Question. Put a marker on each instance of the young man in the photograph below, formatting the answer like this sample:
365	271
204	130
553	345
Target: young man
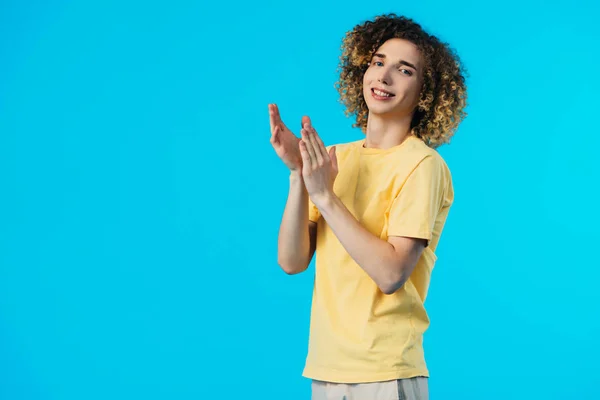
373	210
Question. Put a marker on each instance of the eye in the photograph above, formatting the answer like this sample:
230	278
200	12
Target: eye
378	63
406	72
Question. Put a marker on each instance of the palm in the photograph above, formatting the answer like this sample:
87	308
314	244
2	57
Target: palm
285	143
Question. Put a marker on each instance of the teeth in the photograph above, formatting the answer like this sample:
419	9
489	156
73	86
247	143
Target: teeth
380	93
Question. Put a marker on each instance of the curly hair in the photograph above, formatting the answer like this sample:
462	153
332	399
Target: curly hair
443	95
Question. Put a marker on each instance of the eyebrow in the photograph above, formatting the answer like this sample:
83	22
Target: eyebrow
401	62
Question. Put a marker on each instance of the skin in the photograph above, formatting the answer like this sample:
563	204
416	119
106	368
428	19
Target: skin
389	263
388	123
296	244
284	142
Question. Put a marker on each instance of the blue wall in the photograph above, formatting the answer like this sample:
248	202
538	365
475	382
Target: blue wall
140	198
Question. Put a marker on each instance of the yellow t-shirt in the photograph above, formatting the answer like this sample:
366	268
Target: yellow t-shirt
357	332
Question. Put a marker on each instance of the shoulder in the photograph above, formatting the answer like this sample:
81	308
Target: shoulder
428	157
430	168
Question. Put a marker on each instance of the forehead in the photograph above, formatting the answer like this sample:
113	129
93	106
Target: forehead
400	49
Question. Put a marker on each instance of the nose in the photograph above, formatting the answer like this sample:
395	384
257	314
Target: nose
384	77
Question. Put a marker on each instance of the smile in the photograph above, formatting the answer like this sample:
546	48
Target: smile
379	94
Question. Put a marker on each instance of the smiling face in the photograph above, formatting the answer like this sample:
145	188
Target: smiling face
392	83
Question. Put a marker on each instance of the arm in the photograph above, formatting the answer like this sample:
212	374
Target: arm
389	263
297	235
412	215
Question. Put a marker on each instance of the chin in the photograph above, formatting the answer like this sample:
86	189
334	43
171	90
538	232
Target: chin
379	109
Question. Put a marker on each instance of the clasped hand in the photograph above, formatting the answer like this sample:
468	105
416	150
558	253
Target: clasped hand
319	166
308	155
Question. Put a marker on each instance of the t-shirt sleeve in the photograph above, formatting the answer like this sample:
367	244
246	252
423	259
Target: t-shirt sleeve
416	207
313	211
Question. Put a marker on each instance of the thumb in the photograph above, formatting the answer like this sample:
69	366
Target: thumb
333	156
275	136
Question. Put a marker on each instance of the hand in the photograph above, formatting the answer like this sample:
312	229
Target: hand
320	168
284	141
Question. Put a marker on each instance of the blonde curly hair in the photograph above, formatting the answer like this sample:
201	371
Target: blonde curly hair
443	95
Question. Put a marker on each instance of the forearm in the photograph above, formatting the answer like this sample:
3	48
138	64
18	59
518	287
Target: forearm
375	256
293	253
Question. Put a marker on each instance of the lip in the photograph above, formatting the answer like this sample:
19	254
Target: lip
382	98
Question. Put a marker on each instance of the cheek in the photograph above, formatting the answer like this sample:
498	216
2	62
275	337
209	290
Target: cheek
366	82
367	77
415	91
364	87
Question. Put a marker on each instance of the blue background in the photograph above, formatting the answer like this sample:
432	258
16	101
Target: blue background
141	199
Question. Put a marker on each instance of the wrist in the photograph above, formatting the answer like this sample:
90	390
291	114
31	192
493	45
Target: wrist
323	200
296	175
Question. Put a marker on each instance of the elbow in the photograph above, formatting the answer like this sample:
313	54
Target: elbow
392	285
390	288
291	269
395	277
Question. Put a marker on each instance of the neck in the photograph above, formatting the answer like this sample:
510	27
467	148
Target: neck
383	133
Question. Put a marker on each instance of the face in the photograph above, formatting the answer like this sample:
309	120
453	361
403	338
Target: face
392	83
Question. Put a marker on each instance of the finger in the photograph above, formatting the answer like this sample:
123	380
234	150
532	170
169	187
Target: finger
321	145
309	148
277	115
305	121
275	136
277	119
319	159
306	163
320	150
272	117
